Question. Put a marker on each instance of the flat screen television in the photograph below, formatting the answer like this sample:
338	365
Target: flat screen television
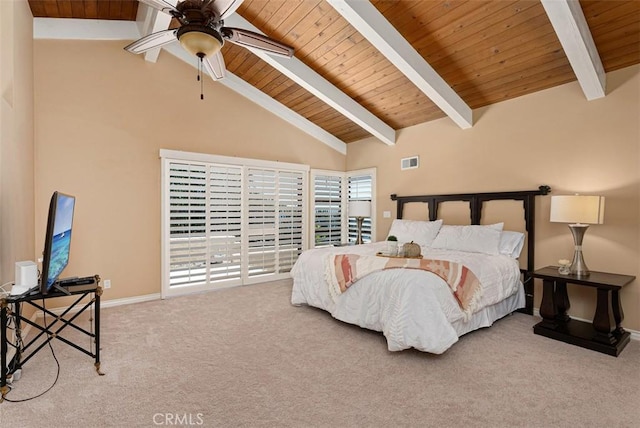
57	241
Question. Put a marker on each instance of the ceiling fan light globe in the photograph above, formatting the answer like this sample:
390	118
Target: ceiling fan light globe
200	43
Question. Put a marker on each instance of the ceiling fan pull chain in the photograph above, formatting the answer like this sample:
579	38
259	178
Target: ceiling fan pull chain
201	80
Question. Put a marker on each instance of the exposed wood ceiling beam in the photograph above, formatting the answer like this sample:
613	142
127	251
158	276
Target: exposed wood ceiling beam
304	76
572	29
365	18
150	21
93	29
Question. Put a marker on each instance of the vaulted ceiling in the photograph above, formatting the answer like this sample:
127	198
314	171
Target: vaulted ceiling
370	68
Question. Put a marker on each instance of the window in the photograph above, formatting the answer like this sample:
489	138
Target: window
225	222
327	209
275	226
229	221
332	192
291	188
187	199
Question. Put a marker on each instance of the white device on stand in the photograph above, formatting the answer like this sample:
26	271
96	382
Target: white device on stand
26	277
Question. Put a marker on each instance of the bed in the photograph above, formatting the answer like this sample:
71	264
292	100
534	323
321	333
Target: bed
418	306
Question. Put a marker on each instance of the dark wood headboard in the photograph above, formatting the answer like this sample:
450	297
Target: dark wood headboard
476	201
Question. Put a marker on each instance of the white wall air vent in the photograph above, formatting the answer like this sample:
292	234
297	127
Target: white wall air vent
410	163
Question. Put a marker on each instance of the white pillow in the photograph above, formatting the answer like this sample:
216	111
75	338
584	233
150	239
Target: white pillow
421	232
473	238
511	243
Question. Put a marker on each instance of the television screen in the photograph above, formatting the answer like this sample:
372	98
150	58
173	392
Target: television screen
57	240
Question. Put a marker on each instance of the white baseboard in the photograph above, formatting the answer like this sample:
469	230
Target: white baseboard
635	335
109	303
129	300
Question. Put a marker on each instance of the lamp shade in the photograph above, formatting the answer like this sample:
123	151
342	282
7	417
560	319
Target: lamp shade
577	209
359	208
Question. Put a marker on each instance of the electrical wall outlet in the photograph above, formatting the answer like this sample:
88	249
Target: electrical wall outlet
107	283
386	214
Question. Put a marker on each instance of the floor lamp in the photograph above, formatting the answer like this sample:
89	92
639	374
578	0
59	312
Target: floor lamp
359	210
579	211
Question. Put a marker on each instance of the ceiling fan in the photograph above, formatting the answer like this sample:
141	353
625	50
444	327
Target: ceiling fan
202	33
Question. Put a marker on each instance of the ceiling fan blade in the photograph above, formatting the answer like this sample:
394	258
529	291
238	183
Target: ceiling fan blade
224	8
151	41
215	66
250	39
162	6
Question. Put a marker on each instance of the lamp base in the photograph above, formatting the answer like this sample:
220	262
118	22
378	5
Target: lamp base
359	238
578	266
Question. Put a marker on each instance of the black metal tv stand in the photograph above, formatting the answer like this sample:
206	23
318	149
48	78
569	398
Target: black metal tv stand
88	287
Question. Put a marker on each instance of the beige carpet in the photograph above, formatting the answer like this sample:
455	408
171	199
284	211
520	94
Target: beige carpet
246	357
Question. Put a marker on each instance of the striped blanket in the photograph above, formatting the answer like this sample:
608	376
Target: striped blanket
345	269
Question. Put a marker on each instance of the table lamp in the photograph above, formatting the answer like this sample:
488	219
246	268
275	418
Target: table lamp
579	211
359	210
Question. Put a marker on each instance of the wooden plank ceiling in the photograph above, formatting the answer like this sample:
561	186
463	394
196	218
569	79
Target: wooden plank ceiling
487	51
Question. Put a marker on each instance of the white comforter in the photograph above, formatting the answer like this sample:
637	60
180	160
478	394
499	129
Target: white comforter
412	308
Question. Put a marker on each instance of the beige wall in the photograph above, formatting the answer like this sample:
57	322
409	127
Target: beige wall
102	115
16	137
554	137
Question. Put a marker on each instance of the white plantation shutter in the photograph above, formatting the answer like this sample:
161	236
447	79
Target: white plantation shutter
275	214
327	209
332	191
187	231
227	224
291	214
225	230
261	191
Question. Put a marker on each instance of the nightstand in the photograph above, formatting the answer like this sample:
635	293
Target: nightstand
605	334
